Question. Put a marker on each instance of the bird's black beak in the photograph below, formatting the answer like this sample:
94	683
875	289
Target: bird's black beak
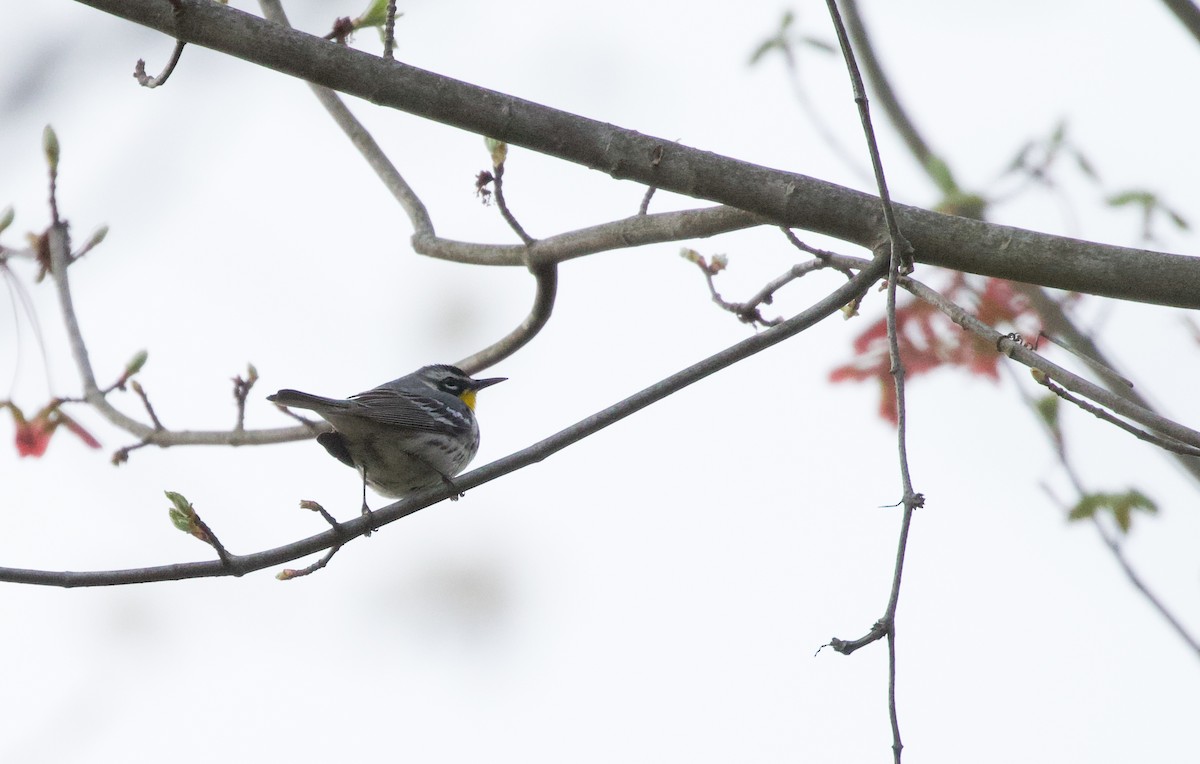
479	384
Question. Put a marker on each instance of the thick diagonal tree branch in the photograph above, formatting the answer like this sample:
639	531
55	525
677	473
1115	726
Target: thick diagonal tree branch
783	198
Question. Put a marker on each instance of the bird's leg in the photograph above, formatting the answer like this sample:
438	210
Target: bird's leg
366	511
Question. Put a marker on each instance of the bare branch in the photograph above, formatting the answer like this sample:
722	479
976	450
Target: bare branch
141	394
899	263
1057	323
1163	443
644	207
546	279
361	139
502	204
639	230
389	32
750	311
1136	580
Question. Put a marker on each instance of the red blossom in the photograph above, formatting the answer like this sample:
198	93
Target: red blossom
928	339
33	435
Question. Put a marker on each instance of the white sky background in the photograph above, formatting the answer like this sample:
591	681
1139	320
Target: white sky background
656	592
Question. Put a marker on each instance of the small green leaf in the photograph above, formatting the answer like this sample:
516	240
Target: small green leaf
1121	505
1084	509
6	218
375	15
180	520
1139	197
182	505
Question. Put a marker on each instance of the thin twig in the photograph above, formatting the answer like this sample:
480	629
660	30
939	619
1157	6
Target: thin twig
287	574
749	311
634	231
362	140
800	245
900	262
1163	443
644	207
146	81
141	394
546	284
1100	368
901	248
1114	546
1144	589
212	539
502	205
389	32
1056	322
883	90
241	390
242	564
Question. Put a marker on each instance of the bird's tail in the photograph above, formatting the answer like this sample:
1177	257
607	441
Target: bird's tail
299	400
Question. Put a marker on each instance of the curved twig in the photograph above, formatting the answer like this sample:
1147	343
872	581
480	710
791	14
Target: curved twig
361	139
636	231
146	81
546	279
238	565
502	205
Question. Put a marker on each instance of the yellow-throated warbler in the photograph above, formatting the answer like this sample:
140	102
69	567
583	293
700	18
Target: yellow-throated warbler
411	433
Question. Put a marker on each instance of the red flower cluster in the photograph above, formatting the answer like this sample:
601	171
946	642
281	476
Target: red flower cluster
928	339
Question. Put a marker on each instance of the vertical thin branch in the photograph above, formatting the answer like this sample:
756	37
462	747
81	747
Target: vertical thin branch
389	32
60	256
900	262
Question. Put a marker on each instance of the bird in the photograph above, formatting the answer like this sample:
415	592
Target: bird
414	432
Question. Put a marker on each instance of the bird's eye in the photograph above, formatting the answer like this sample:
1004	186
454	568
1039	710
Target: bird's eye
452	385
